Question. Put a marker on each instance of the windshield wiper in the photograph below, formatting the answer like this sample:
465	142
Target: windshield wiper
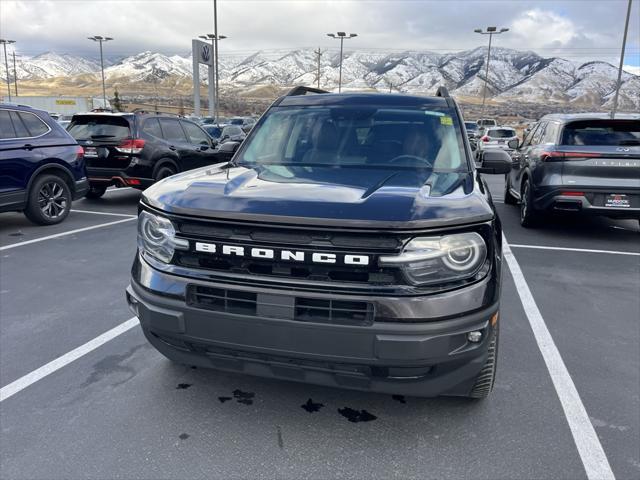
102	136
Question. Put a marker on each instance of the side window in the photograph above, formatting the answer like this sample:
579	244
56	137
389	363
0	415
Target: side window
195	134
551	133
6	125
527	139
172	131
33	123
537	137
152	127
18	126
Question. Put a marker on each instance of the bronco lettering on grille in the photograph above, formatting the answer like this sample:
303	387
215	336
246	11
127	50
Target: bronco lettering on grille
277	254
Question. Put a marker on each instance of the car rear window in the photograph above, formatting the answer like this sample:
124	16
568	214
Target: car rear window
384	137
471	126
501	133
602	132
99	128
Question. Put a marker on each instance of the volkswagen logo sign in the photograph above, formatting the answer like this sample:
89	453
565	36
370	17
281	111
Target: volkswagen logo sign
205	53
622	149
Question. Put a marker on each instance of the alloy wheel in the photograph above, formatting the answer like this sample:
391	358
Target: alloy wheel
51	200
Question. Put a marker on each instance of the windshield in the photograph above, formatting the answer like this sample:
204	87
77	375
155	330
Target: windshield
502	133
379	137
602	132
99	127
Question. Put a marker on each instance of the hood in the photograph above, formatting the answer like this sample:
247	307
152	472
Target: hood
324	195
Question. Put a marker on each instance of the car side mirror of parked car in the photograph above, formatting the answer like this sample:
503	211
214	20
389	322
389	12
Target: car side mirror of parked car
495	161
513	144
229	147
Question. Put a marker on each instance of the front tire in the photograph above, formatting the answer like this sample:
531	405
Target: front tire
487	376
528	216
509	199
95	191
48	201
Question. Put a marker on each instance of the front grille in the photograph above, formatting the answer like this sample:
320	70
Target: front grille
309	240
301	309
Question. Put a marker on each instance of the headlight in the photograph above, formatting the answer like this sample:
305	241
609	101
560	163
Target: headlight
429	260
157	237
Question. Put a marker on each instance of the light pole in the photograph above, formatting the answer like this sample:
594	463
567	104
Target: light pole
341	36
15	72
100	39
6	62
491	31
214	48
624	43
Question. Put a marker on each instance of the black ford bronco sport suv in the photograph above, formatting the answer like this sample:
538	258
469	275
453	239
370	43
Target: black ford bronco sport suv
350	242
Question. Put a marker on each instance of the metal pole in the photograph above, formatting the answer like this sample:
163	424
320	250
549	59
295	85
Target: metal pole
340	74
319	54
215	32
15	73
486	74
624	43
104	91
6	66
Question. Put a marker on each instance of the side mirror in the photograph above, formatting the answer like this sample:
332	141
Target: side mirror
229	147
495	161
513	144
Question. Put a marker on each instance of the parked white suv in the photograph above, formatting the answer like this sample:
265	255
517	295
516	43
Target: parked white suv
496	137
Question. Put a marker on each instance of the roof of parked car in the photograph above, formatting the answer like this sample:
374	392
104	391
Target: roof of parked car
361	99
25	108
570	117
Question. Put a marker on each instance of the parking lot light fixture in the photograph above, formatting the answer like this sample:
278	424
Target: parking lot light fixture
214	48
491	31
100	39
4	43
341	36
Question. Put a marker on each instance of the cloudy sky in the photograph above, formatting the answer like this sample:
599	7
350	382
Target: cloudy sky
573	29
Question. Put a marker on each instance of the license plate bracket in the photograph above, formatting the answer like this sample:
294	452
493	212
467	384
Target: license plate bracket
617	200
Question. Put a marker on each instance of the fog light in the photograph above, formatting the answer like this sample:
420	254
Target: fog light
474	337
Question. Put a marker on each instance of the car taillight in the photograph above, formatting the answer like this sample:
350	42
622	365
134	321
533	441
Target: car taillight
79	153
572	194
553	156
485	138
131	146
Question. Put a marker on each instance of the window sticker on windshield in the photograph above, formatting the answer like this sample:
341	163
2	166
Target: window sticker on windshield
435	114
446	120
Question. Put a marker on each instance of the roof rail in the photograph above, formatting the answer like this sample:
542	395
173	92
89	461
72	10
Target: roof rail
442	92
295	91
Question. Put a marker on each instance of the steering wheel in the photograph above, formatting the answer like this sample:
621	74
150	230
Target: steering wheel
411	157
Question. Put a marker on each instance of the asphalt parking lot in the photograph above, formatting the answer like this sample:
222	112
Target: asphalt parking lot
115	408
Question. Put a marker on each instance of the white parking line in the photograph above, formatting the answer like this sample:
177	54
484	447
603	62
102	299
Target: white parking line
104	213
63	234
585	437
568	249
55	365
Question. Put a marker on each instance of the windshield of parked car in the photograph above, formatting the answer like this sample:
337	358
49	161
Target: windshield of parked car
602	132
371	137
501	133
99	127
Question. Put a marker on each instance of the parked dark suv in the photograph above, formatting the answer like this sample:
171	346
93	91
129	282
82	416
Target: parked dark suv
138	149
41	166
587	163
350	242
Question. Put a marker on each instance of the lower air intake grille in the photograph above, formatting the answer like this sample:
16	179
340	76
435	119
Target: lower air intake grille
301	309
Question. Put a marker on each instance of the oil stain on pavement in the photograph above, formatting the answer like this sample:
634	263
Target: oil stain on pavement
356	416
312	407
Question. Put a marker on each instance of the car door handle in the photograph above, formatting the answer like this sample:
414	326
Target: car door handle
171	147
28	146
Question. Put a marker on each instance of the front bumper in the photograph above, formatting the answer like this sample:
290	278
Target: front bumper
422	358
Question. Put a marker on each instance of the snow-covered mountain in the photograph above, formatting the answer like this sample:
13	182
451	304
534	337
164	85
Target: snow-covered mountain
513	75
